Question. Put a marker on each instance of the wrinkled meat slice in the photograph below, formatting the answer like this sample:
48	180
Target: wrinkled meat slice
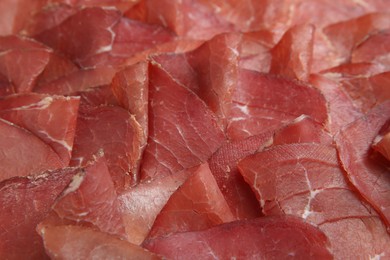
223	164
91	197
262	238
305	180
50	118
75	242
198	204
141	204
183	132
96	96
292	56
366	170
24	203
28	157
264	102
382	144
114	131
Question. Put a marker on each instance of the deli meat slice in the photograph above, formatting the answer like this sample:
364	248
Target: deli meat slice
366	170
75	242
198	204
382	144
50	118
183	132
262	238
25	202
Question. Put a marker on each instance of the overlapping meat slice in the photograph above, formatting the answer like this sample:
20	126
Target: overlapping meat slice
141	204
25	202
262	238
366	170
51	118
115	131
264	102
382	144
306	180
91	198
183	132
198	204
75	242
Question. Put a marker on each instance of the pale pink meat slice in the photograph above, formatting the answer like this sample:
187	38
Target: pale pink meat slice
261	238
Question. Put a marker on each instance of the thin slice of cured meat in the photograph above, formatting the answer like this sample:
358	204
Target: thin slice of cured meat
223	164
198	204
75	242
261	238
263	102
91	197
141	204
382	145
30	156
183	132
366	171
306	180
76	36
51	118
24	203
96	96
292	56
115	131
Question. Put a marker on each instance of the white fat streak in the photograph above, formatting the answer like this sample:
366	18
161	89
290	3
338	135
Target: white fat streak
108	47
299	118
42	104
377	139
61	142
377	257
75	184
313	193
235	51
243	108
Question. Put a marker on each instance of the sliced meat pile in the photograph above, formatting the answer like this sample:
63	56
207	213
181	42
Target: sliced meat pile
181	129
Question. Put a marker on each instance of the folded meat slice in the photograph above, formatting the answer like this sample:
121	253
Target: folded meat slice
75	242
196	205
263	102
183	132
261	238
306	180
22	153
367	171
114	131
91	198
25	202
50	118
382	144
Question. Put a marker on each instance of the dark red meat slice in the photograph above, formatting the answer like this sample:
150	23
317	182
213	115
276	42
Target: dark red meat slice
198	204
91	197
114	131
182	131
29	157
25	202
75	242
96	96
141	204
366	171
50	118
262	238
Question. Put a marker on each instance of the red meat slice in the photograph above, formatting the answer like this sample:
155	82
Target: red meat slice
198	204
115	131
382	145
264	102
182	131
262	238
50	118
141	204
292	56
91	198
223	164
24	202
96	96
28	157
75	242
366	171
305	180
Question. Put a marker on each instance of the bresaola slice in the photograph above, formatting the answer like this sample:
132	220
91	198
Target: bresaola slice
262	238
382	144
365	170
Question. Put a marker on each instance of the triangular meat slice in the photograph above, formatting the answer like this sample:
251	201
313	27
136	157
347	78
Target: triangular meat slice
366	170
262	238
75	242
198	204
183	132
24	203
51	118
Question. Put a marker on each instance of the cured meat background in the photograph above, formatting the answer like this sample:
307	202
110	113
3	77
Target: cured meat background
145	129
